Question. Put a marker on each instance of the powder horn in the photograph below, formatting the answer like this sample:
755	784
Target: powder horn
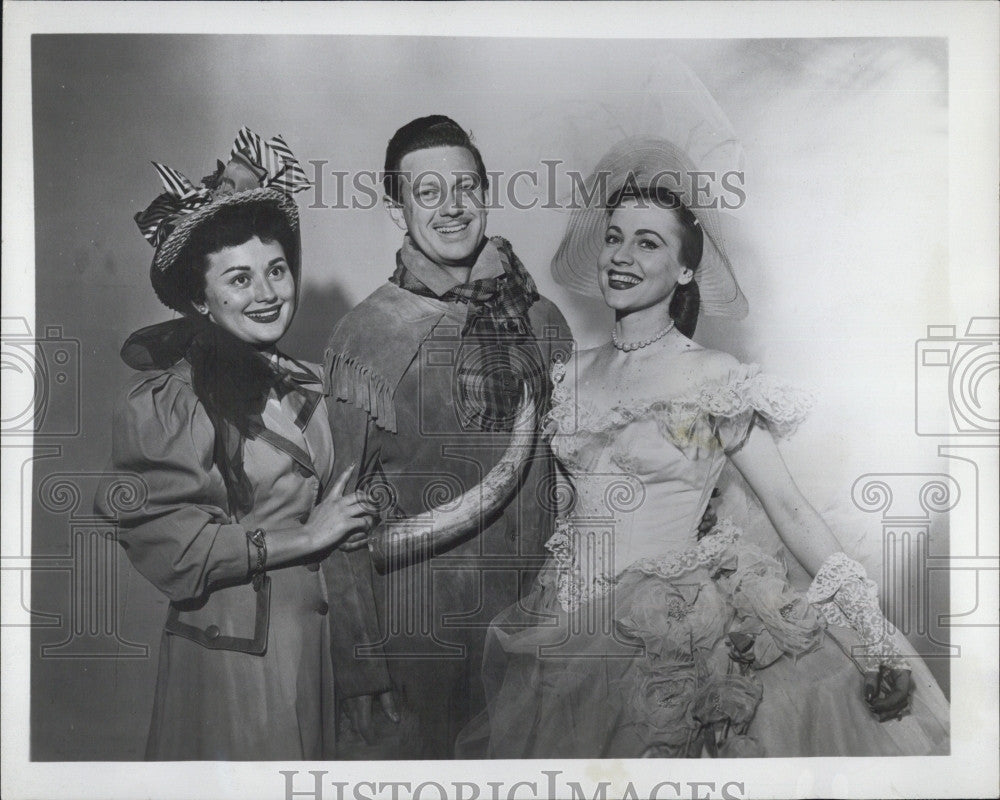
401	542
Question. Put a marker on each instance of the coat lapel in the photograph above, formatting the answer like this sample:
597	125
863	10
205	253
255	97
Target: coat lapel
283	424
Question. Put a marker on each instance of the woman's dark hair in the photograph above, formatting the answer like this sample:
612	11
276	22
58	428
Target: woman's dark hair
685	303
230	226
436	130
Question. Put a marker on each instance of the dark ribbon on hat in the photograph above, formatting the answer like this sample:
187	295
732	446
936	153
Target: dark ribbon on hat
489	378
232	379
273	160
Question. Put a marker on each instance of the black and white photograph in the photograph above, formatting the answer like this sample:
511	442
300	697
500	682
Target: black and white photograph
501	400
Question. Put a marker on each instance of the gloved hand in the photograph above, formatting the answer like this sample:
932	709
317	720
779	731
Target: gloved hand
843	594
887	692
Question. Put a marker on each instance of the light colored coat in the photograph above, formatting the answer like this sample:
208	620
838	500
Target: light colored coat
242	674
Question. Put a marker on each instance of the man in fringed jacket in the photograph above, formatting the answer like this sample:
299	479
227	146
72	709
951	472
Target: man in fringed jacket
426	379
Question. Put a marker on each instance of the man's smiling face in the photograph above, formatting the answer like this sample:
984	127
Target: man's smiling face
443	208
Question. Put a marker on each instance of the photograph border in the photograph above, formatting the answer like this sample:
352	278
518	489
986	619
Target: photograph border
971	28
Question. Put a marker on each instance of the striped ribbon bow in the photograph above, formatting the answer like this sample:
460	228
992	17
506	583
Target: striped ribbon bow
278	169
274	158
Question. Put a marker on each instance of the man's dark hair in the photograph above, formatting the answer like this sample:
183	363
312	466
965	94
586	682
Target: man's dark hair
436	130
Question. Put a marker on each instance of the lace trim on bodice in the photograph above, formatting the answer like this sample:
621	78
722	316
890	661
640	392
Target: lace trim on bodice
716	415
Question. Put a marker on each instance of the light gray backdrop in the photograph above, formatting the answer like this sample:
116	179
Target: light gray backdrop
842	252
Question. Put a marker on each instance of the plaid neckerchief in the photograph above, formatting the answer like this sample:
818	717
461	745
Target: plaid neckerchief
492	365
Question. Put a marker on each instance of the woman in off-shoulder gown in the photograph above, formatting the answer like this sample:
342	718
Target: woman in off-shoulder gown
641	637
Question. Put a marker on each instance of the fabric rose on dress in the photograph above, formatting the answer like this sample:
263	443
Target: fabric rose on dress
660	704
724	706
760	591
673	620
688	428
731	699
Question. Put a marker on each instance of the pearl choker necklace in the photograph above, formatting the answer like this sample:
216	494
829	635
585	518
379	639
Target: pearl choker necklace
628	347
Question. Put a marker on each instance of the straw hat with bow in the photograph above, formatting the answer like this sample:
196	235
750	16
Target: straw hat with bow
258	173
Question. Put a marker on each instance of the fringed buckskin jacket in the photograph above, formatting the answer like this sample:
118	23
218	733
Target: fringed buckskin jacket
393	368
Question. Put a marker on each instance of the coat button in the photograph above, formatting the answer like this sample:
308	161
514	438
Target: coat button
313	566
212	632
322	607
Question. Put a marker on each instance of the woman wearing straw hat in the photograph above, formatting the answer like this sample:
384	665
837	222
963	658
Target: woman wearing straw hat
640	637
220	426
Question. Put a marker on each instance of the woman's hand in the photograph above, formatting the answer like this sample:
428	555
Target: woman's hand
887	692
710	518
338	516
356	541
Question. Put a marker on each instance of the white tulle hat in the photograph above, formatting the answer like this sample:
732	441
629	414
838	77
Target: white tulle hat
644	162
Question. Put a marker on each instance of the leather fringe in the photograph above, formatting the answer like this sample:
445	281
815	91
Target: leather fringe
360	385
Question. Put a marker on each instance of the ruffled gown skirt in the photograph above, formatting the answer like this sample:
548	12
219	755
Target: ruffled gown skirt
648	669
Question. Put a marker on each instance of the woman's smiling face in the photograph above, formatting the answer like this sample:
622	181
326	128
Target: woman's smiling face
639	264
250	291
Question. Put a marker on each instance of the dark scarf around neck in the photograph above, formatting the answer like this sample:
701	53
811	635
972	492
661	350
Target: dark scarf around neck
230	377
